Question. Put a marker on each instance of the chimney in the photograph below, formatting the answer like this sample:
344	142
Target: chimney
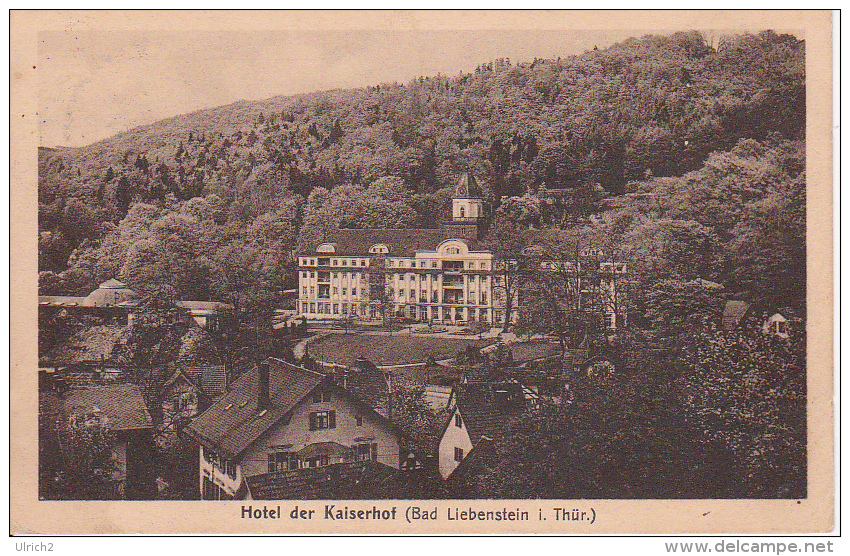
263	387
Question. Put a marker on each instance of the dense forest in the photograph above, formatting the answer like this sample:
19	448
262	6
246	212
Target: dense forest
683	158
658	135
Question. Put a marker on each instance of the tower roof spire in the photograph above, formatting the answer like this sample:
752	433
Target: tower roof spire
467	186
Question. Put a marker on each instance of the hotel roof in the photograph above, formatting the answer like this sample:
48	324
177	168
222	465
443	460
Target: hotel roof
399	242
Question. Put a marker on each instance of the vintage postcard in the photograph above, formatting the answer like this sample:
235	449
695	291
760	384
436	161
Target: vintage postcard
422	272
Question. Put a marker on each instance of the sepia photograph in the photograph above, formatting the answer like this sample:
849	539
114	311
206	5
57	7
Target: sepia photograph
450	266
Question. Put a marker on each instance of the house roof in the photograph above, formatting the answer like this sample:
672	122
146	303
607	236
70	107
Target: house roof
733	312
399	242
210	380
367	480
481	411
464	480
123	405
233	423
87	346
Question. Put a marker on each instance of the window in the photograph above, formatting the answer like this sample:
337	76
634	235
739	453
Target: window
462	212
318	461
358	419
344	262
433	264
183	401
320	396
413	264
458	420
344	291
362	262
322	420
780	327
312	262
366	452
336	290
336	275
412	295
312	290
353	292
458	454
452	250
336	308
282	460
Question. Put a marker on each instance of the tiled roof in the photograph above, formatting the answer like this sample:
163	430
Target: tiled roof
87	346
121	403
209	378
483	413
463	482
368	480
400	242
232	423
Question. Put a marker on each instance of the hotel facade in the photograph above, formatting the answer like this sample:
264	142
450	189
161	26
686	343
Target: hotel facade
432	275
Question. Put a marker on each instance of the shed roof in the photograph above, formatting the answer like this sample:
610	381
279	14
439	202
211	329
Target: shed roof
733	312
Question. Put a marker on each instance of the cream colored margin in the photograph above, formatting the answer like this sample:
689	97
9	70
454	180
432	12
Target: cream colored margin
28	515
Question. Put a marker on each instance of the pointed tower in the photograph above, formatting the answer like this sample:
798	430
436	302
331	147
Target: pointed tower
467	207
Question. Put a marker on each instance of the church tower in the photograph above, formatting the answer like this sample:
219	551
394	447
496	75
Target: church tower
467	208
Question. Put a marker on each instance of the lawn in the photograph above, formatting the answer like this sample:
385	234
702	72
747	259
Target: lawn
529	351
387	350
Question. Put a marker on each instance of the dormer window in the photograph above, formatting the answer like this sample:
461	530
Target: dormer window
379	248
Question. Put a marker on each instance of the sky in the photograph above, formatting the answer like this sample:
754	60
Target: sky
94	84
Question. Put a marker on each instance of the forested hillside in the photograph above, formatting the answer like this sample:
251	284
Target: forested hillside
657	137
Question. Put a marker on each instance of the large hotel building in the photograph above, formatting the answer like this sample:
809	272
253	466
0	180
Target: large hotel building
437	275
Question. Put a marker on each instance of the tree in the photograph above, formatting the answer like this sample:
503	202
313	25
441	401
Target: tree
512	263
580	287
154	344
745	390
416	418
75	458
